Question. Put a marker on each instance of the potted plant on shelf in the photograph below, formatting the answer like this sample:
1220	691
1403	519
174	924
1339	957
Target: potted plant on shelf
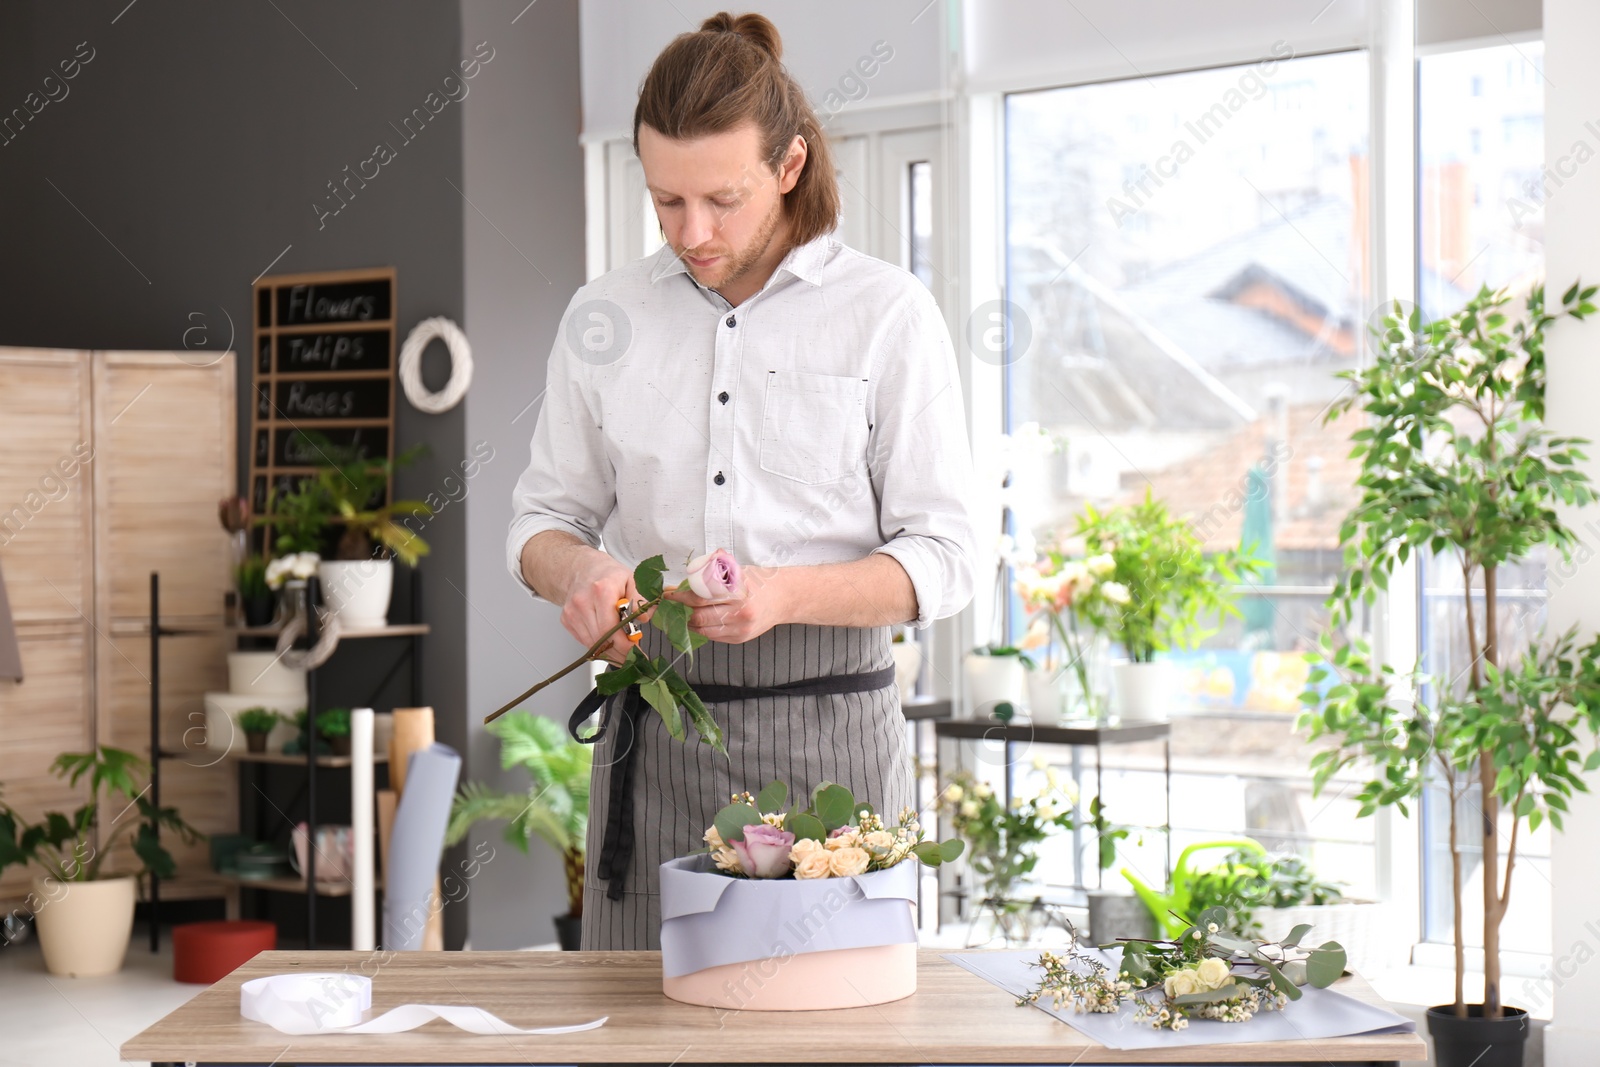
83	910
1455	459
358	582
995	681
1002	844
257	724
334	724
1172	585
255	595
554	808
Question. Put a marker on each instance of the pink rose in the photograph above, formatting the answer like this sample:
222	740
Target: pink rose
764	852
714	576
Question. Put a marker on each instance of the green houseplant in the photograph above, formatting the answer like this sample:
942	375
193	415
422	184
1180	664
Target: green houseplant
1167	588
84	911
555	807
256	724
1455	461
334	724
994	678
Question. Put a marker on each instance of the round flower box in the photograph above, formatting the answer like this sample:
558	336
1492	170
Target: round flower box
787	944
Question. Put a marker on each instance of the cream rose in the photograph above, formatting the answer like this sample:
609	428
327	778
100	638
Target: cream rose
1182	982
714	840
848	839
879	839
1214	973
848	861
814	864
805	847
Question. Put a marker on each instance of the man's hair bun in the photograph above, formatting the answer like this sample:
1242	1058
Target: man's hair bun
757	29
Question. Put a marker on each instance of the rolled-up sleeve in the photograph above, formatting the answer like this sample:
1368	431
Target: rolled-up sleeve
921	462
569	483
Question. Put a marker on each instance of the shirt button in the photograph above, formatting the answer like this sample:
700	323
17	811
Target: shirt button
719	479
733	320
722	398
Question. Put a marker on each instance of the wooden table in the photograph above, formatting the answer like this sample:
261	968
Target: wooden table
955	1017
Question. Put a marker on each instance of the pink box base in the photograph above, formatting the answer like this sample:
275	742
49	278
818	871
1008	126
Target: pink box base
806	981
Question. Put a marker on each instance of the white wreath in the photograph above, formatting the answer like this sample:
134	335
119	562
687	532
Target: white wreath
460	365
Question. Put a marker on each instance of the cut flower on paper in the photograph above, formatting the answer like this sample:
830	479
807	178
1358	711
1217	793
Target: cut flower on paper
832	836
1208	972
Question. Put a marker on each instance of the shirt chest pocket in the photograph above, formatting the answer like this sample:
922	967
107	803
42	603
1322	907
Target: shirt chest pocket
813	426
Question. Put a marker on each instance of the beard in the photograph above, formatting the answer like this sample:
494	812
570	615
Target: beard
736	264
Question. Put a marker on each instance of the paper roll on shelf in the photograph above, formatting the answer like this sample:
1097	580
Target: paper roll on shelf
363	926
410	901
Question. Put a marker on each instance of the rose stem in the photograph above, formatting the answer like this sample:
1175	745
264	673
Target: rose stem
589	654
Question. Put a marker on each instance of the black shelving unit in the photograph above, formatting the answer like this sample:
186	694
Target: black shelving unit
412	657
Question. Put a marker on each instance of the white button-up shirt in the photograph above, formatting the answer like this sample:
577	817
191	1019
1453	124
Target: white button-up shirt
819	421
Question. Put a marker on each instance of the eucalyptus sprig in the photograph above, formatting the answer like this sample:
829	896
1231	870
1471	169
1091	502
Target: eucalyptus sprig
1207	972
662	687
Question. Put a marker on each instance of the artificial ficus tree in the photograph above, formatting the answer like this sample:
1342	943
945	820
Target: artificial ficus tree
1456	461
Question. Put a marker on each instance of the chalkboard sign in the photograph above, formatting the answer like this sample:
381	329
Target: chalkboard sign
324	362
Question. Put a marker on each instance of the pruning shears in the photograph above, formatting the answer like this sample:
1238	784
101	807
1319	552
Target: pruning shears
630	629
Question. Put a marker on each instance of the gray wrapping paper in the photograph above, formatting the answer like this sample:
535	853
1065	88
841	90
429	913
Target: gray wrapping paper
415	844
1320	1013
709	919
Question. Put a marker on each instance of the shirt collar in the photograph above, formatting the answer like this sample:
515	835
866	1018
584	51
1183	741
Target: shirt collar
803	261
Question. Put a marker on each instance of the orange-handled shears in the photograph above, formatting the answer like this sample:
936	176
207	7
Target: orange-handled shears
629	629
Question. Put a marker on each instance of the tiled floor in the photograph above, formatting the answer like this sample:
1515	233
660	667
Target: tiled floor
81	1022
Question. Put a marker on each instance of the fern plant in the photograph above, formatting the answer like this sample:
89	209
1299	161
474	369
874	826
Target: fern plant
555	808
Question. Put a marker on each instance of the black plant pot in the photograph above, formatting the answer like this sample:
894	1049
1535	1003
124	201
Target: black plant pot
1476	1041
569	932
258	610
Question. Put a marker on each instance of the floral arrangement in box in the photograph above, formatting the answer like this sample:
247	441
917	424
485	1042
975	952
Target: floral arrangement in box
816	897
833	837
1207	972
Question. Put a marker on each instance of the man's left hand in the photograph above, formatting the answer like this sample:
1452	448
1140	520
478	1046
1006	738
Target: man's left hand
757	608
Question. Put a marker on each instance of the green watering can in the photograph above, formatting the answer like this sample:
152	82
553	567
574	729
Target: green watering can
1164	905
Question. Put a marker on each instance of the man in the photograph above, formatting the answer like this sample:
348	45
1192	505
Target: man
755	386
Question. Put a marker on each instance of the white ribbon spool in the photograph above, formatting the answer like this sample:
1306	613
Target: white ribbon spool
336	1003
411	365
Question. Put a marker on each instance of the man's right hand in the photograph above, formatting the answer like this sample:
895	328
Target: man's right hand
591	605
587	584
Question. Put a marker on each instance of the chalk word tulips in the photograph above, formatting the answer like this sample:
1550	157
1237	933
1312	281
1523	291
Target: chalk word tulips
832	837
714	576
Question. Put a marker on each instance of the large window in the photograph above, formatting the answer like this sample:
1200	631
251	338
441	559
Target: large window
1480	126
1188	253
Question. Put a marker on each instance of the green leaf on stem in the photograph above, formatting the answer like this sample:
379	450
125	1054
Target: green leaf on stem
732	820
659	695
802	826
773	797
1325	965
647	577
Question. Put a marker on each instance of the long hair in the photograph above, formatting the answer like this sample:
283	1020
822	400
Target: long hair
728	73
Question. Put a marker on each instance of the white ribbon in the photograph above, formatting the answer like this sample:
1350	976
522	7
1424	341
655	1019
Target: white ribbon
336	1003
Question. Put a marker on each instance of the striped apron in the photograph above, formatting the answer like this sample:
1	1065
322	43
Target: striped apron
675	789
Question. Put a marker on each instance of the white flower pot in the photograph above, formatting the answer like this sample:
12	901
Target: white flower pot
84	926
264	674
357	591
1143	692
1046	695
907	665
991	680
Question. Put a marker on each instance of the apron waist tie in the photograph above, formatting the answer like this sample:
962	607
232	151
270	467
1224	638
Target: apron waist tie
617	845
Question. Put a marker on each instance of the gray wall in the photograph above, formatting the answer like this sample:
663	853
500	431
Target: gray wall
192	148
523	170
